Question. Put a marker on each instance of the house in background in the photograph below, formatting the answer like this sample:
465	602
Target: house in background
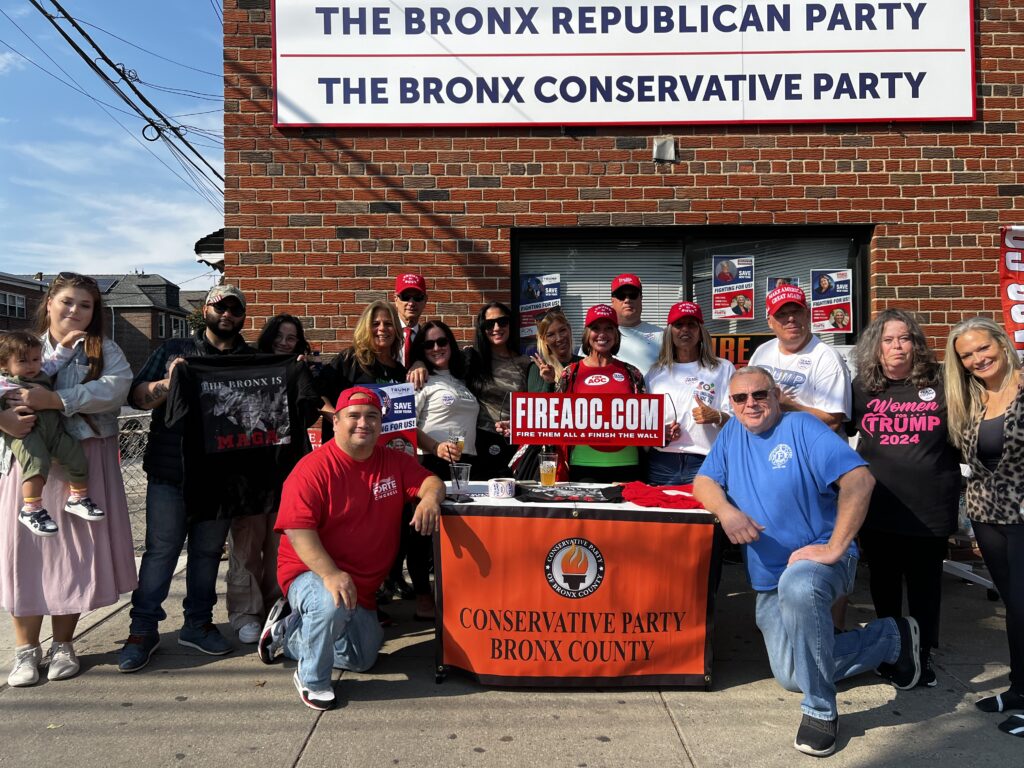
20	296
142	311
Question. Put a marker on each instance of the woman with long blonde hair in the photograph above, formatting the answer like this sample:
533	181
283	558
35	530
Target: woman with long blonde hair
986	422
554	351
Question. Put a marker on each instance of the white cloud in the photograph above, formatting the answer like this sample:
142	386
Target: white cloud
76	157
10	61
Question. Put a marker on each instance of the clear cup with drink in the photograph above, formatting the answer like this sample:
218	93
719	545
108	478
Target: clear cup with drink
548	468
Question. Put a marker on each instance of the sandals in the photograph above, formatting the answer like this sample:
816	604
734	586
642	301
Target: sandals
1001	702
1013	725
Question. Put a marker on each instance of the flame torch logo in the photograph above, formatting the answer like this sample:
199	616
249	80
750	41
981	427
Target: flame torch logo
574	568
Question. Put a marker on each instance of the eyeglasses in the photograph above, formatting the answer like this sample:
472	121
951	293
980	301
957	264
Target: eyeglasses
759	395
233	309
441	343
627	293
416	297
500	322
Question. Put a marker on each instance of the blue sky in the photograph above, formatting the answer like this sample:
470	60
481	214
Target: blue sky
77	191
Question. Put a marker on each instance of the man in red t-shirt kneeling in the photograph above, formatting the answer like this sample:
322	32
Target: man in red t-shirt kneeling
341	513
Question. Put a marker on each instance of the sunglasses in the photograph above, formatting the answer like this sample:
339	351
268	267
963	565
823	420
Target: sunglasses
630	293
759	395
441	343
233	309
416	297
500	322
74	277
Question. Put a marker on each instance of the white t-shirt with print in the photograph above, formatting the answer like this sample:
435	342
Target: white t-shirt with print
816	376
681	383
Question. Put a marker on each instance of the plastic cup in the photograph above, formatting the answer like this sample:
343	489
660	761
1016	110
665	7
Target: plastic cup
460	475
548	468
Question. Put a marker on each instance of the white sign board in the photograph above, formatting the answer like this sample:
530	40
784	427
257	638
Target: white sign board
558	62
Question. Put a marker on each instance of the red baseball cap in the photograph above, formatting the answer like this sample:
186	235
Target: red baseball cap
785	294
683	309
626	279
407	281
357	396
601	312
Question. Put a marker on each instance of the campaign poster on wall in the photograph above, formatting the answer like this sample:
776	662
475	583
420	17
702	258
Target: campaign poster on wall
732	288
537	294
398	416
831	301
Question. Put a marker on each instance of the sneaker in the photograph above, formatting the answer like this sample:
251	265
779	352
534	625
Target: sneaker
271	641
817	737
206	638
39	522
62	661
85	508
26	666
906	670
318	699
250	633
136	651
927	679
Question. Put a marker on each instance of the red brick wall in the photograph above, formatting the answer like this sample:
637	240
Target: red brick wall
320	221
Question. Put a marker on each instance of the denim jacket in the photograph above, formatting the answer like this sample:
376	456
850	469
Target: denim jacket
101	398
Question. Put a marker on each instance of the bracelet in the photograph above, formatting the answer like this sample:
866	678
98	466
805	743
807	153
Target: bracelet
719	422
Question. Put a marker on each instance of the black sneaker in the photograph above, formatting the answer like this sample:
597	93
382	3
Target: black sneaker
906	670
928	679
817	737
271	642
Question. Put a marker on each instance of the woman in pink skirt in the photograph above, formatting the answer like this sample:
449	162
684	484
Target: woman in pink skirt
89	564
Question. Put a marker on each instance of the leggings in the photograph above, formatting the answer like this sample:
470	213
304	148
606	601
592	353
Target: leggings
1002	546
917	560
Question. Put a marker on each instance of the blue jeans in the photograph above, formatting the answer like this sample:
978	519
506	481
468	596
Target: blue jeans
166	531
321	636
668	468
805	653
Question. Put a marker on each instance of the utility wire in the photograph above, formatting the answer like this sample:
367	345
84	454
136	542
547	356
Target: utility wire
78	87
73	87
130	85
218	75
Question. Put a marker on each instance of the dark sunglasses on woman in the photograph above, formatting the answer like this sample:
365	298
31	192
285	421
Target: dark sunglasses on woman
441	343
501	322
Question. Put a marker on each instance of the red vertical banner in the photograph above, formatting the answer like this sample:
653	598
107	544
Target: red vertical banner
1011	283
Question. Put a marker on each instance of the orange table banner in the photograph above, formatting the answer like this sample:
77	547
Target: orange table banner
540	418
533	595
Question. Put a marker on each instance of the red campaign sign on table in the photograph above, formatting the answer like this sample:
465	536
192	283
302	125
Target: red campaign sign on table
1011	283
598	420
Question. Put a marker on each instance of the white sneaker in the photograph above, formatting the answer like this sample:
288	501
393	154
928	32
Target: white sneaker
26	666
320	699
62	661
85	508
250	633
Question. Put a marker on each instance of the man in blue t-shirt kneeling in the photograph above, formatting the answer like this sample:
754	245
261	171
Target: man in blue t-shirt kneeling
795	494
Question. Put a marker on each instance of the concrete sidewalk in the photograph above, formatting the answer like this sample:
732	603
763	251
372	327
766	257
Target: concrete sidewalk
187	709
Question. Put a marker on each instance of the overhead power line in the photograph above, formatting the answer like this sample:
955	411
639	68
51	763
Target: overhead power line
160	124
217	205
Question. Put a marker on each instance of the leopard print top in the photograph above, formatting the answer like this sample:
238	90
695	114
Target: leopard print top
995	497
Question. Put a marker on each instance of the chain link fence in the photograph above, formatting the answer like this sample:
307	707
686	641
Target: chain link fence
133	432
